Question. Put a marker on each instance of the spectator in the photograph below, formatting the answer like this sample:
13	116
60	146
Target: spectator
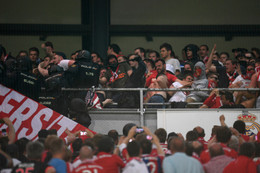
179	97
162	134
114	135
200	81
191	53
140	52
34	152
223	56
227	73
153	55
223	135
114	49
201	134
95	56
121	59
203	53
169	57
218	159
244	162
110	162
34	57
179	161
135	163
116	76
58	151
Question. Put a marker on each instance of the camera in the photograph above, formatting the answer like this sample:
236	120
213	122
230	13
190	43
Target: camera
139	130
83	133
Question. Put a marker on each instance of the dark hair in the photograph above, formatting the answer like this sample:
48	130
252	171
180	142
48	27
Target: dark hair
105	144
150	61
224	53
223	134
161	134
204	45
168	47
133	148
34	49
142	50
48	43
156	53
127	127
23	51
113	134
52	132
76	145
115	48
191	136
228	95
187	74
240	126
146	146
233	61
247	149
110	57
93	52
162	60
43	133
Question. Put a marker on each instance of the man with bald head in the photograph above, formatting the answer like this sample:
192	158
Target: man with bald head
86	159
179	161
201	134
218	159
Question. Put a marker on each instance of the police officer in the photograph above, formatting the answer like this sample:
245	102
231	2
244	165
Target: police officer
83	73
27	83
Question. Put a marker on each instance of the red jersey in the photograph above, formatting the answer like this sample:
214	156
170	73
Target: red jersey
171	78
241	164
205	156
213	101
203	142
88	166
153	163
110	162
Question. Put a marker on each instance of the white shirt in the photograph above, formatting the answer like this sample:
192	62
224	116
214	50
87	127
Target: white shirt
179	96
245	82
135	166
175	63
64	64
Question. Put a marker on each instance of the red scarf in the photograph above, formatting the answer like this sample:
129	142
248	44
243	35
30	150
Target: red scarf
114	75
232	77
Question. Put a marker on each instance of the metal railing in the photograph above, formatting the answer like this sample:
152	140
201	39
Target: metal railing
141	110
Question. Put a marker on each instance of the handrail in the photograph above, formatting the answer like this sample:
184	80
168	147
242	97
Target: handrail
141	90
161	89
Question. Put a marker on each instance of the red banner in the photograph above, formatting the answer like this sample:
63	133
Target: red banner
29	117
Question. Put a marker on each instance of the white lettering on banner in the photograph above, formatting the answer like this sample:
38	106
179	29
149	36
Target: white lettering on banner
3	90
65	123
20	115
6	107
36	123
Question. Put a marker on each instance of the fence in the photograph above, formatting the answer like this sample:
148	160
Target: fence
141	109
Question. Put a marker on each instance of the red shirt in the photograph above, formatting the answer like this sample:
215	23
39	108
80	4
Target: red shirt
213	101
110	162
203	142
171	78
89	166
149	78
205	156
240	165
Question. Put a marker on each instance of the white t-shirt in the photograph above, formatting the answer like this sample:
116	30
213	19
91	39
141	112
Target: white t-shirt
179	96
175	63
245	82
135	166
64	64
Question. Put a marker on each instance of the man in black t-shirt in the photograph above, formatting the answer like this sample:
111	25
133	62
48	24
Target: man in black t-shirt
34	152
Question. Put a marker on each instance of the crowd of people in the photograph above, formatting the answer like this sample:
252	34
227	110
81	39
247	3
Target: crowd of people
197	68
138	150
